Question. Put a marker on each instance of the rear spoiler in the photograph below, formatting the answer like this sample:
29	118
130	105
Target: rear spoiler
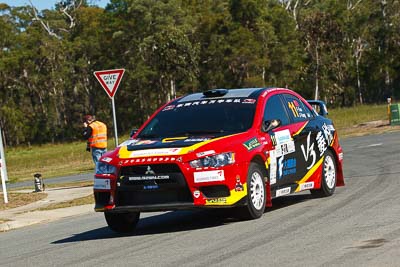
319	106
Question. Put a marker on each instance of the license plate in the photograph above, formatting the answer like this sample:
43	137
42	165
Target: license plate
101	184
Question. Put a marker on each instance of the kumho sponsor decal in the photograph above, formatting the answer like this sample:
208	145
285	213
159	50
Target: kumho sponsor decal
251	144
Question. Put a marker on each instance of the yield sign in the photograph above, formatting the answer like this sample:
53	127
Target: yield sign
109	80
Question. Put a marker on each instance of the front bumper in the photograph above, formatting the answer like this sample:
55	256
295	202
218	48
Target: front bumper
132	191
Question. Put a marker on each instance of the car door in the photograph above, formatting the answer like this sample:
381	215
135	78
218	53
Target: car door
304	131
282	143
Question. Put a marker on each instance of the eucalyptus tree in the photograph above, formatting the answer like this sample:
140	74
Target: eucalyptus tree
151	40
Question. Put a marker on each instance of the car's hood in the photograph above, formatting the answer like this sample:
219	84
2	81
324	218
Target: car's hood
136	148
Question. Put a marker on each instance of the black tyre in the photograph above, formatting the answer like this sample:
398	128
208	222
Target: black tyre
122	222
256	194
328	178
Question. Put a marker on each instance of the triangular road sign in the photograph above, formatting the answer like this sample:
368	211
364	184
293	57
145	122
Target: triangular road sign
109	80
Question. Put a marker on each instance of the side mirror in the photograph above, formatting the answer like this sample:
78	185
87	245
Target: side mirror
133	132
319	106
270	125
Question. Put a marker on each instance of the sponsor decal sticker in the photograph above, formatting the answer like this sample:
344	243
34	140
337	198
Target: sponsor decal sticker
148	177
285	148
273	139
170	107
282	137
106	159
239	186
327	133
196	139
101	184
209	176
129	142
272	167
306	186
296	109
251	144
173	139
205	153
293	107
196	194
286	167
145	142
216	200
283	191
154	152
321	143
151	187
309	152
249	101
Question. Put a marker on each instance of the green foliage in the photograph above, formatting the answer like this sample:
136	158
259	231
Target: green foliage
348	50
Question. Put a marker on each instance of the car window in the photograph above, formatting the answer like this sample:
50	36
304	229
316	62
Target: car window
297	109
274	109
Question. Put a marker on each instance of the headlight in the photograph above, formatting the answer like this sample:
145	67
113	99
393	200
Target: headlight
104	168
214	161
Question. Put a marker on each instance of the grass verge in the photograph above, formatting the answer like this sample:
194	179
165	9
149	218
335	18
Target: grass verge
4	220
352	121
20	199
351	116
75	202
51	160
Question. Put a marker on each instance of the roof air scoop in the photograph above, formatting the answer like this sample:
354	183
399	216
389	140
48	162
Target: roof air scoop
215	92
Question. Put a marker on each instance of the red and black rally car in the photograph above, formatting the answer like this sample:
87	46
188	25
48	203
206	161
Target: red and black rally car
220	148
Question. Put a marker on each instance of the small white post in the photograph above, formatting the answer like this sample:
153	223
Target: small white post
3	169
115	122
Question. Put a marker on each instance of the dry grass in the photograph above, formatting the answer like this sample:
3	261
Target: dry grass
362	120
351	116
365	129
3	220
75	202
20	199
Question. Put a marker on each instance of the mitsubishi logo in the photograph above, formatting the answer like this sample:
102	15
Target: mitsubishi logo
149	171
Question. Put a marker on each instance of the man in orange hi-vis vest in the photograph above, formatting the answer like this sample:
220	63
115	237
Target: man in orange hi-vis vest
96	133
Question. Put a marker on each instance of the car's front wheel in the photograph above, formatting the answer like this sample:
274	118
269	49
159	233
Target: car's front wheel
122	222
328	177
256	193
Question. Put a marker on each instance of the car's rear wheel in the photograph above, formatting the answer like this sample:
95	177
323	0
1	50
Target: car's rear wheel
328	178
122	222
256	194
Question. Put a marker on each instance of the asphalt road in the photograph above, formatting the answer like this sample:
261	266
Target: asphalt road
358	226
56	180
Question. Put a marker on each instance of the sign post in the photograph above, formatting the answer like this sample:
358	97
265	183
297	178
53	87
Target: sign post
3	169
109	80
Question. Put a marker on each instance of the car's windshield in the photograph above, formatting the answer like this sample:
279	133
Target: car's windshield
205	117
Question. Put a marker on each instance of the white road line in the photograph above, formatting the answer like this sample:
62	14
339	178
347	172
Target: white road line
373	145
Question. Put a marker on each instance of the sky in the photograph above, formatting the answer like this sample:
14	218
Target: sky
47	4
